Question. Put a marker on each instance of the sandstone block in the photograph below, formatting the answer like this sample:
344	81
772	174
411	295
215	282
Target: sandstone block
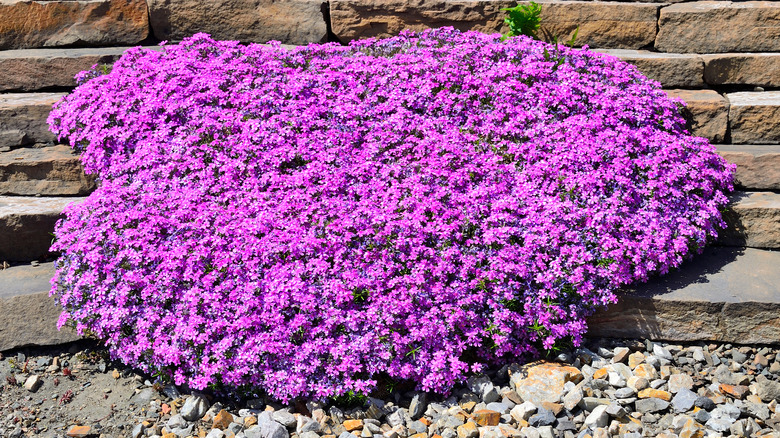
670	69
26	224
30	24
758	166
719	27
706	112
28	316
754	117
288	21
35	69
540	382
759	69
753	220
47	171
602	24
725	294
23	118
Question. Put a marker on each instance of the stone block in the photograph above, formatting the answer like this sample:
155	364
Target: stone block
758	166
754	117
753	220
706	112
36	69
23	118
26	224
757	69
724	294
28	315
288	21
719	27
30	24
46	171
601	24
670	69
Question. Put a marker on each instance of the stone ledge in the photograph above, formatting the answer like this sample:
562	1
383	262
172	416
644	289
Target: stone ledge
754	117
28	315
30	24
758	166
35	69
23	118
706	111
601	24
719	26
670	69
753	220
724	294
47	171
757	69
26	224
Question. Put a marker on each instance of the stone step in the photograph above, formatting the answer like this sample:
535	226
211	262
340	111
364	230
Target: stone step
690	70
724	294
36	69
601	24
26	224
707	111
758	166
54	23
23	118
754	117
47	171
28	315
753	220
719	27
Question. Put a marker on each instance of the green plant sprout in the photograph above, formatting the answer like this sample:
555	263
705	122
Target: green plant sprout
524	19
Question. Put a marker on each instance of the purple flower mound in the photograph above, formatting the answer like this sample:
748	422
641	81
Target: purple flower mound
304	221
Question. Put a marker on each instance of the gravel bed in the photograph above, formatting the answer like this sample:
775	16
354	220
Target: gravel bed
624	388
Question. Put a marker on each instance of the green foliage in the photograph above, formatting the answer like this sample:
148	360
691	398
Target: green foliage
524	19
350	399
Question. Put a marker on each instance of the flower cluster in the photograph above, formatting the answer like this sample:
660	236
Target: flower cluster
302	221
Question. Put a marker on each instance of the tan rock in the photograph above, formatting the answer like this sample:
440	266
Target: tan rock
600	373
678	382
351	425
754	117
647	371
46	171
222	420
23	118
634	359
34	69
758	166
602	24
487	417
79	431
654	393
288	21
735	391
670	69
468	430
754	220
741	27
31	24
539	382
758	69
706	111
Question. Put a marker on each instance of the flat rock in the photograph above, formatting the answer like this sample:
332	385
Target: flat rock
540	382
752	26
706	111
36	69
601	24
33	24
758	166
28	315
287	21
725	294
757	69
26	224
754	117
670	69
23	118
47	171
753	220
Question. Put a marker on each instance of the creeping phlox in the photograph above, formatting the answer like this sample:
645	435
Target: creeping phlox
303	221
